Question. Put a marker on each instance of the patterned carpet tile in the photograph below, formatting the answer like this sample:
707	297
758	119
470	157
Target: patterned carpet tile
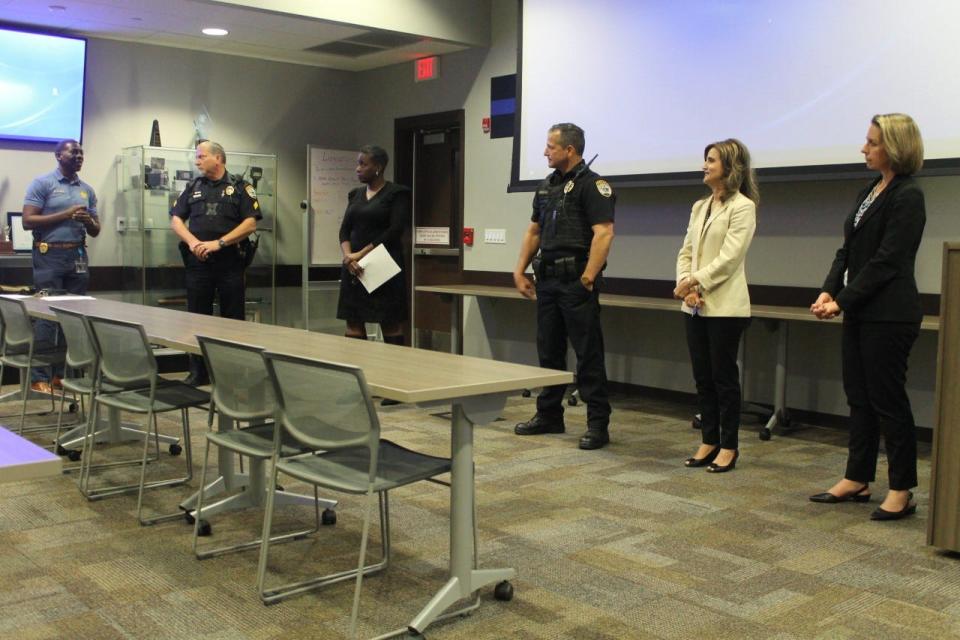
620	543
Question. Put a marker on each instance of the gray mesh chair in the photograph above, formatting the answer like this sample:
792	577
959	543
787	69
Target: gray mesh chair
82	367
20	352
241	391
126	359
327	408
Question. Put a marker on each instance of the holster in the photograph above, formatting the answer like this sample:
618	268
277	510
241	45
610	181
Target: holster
563	269
184	252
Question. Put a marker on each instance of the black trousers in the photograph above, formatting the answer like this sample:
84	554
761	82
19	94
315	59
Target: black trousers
713	345
220	277
567	311
874	377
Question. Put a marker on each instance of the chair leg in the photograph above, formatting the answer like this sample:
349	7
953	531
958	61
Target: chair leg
276	594
363	558
83	482
152	419
265	536
257	466
24	391
56	437
199	508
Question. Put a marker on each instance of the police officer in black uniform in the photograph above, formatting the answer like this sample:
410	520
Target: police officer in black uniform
212	217
572	228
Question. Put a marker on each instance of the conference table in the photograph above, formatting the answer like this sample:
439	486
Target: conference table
475	389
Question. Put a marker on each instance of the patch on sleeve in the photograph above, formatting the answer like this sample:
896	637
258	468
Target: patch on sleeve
256	205
604	188
251	192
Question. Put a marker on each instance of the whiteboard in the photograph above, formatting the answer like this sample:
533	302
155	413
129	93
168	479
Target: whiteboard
332	175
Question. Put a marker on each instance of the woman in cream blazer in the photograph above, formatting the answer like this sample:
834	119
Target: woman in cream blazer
713	286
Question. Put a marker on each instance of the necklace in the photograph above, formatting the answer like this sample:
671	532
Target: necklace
373	192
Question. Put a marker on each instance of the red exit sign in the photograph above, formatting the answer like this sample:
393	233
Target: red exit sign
426	68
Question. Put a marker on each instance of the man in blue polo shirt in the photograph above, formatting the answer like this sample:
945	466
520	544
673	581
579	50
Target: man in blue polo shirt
61	210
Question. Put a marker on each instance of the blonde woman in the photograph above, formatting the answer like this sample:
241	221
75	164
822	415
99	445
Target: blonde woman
872	283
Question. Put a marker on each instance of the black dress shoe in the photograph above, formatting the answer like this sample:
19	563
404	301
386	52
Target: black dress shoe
702	462
538	425
908	510
713	467
594	439
856	496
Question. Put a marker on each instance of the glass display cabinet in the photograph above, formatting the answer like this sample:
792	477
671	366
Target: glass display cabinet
149	181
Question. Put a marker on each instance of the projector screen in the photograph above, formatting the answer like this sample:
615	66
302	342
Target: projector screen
41	86
653	81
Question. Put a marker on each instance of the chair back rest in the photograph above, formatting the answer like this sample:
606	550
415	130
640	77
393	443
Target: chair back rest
17	328
81	352
241	387
125	353
323	405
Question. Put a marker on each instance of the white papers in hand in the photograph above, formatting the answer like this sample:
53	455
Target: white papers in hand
378	267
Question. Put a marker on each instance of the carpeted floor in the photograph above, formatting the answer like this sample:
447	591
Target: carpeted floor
624	542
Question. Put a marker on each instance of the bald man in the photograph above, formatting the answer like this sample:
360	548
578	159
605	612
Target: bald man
61	210
213	215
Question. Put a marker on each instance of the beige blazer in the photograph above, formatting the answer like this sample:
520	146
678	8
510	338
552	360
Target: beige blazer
715	252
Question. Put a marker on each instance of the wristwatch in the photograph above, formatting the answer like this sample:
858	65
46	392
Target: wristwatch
221	243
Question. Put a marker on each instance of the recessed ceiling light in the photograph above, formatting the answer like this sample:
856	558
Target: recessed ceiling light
215	31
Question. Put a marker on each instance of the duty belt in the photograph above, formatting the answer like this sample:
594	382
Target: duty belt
567	268
43	247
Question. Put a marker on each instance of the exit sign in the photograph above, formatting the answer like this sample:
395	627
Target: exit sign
426	68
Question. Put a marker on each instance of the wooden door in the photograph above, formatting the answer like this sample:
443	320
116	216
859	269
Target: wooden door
429	152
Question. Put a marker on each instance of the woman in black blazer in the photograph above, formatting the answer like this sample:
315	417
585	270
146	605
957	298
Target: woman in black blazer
872	283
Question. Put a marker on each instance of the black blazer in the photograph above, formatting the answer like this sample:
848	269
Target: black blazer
879	255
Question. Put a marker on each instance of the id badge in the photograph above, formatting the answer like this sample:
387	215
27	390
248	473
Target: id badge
80	264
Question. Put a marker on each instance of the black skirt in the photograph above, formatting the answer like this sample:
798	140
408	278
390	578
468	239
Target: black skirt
387	304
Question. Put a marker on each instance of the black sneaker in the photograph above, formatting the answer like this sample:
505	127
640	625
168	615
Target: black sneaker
594	439
537	425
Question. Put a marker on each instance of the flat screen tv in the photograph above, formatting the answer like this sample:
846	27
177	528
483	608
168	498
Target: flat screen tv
41	86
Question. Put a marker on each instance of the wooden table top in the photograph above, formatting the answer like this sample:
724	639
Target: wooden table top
801	314
20	459
399	373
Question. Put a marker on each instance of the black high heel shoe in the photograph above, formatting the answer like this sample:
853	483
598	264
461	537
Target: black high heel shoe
713	467
908	510
856	496
702	462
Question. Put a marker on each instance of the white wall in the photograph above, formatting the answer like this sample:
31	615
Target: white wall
256	106
278	108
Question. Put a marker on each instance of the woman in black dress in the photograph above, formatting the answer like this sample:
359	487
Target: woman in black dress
376	214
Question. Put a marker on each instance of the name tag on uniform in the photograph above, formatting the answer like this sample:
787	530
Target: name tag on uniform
197	194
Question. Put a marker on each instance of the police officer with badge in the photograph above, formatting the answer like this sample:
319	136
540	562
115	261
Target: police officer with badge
568	241
212	217
61	210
